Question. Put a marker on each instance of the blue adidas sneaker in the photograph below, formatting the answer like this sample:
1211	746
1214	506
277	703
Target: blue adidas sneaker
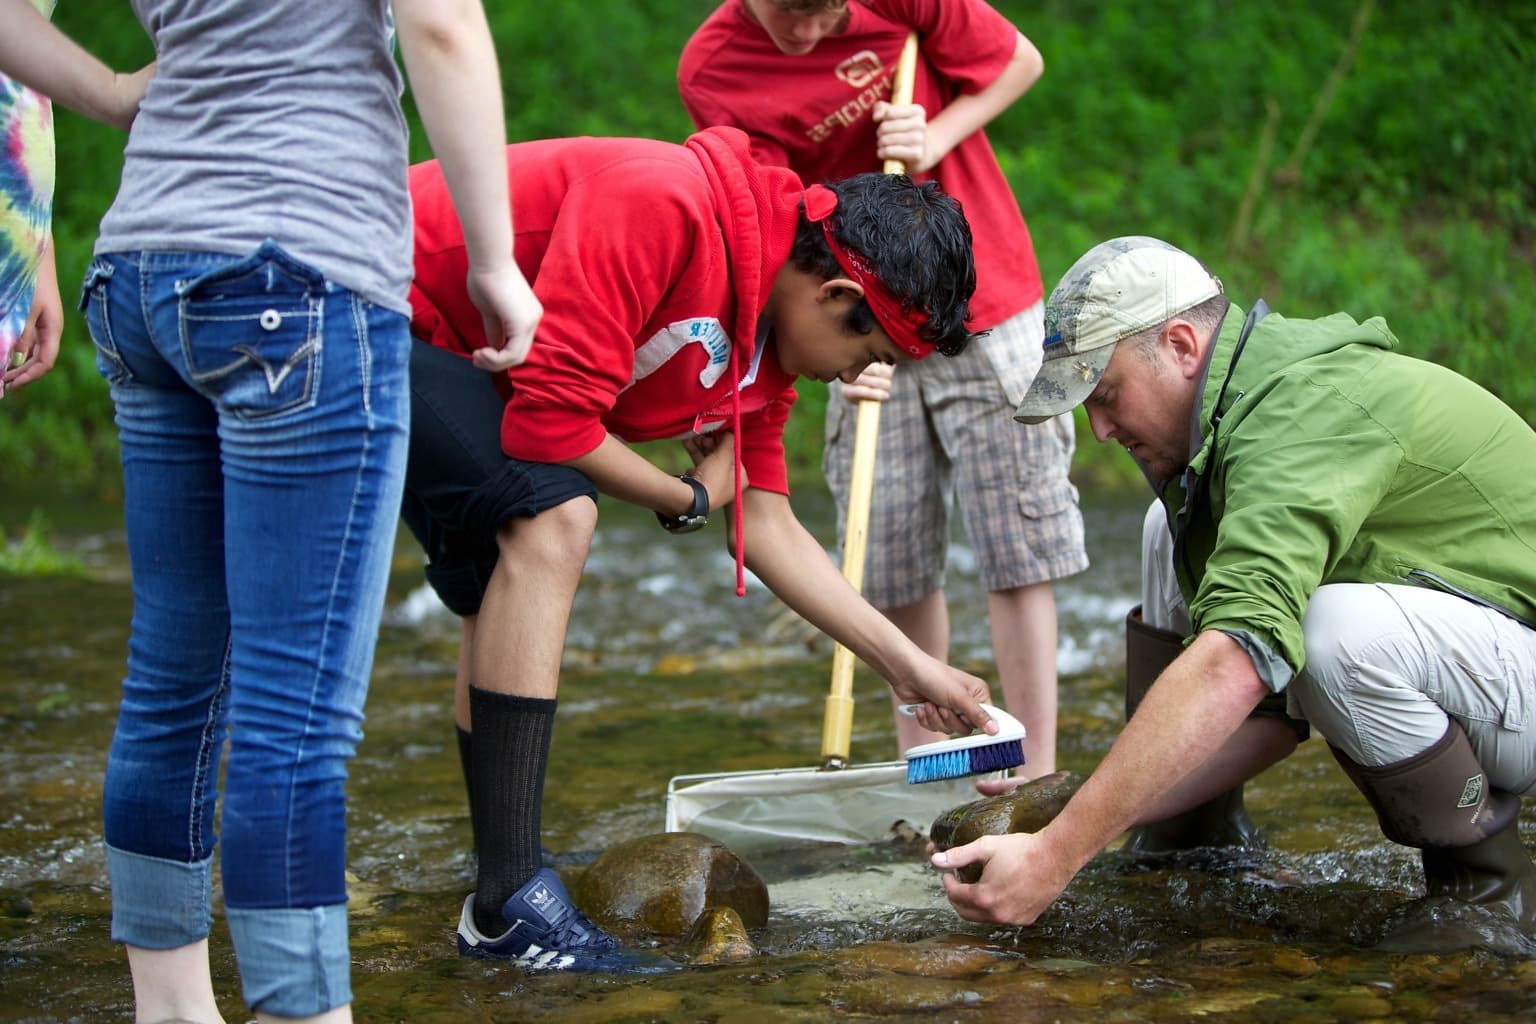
548	933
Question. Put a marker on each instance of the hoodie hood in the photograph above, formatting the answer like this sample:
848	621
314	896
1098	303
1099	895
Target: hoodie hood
759	209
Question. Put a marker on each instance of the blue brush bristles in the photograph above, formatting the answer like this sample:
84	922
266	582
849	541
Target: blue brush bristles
957	764
969	755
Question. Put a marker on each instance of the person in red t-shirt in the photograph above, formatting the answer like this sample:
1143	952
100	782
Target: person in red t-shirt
684	288
808	80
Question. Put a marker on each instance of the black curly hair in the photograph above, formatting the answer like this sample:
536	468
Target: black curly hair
918	241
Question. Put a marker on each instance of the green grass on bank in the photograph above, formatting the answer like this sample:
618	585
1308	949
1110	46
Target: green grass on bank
32	553
1332	155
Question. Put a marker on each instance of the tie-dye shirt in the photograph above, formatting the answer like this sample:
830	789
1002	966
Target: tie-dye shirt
26	199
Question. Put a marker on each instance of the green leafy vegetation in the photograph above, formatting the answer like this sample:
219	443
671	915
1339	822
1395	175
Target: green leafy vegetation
1378	159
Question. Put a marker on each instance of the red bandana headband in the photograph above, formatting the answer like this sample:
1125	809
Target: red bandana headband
902	324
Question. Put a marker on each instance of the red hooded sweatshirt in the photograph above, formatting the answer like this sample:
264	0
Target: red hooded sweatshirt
653	262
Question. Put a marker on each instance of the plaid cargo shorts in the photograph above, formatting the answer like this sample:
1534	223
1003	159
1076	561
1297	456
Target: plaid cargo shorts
947	434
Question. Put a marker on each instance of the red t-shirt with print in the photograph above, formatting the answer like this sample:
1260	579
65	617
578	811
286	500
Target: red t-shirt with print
812	113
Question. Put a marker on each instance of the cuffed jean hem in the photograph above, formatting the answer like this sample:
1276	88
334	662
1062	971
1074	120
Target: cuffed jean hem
159	903
293	962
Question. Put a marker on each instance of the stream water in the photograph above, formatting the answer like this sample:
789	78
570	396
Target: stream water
666	674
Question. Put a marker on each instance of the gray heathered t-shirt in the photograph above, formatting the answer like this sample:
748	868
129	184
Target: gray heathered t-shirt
271	119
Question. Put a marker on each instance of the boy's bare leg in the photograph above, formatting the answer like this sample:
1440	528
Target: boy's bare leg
1024	648
520	635
506	686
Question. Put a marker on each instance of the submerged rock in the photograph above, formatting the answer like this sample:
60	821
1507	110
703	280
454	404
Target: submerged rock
719	936
1027	808
948	958
663	884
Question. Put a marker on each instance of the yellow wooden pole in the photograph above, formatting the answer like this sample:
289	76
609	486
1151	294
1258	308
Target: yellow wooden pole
837	723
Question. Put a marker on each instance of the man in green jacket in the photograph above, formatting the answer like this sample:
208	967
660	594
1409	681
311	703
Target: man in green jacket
1338	525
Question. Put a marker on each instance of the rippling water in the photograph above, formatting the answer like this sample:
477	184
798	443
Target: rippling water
667	673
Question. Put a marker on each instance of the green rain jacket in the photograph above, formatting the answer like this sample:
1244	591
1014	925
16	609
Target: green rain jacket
1321	456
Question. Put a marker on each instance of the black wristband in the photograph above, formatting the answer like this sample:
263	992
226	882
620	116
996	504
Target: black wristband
696	517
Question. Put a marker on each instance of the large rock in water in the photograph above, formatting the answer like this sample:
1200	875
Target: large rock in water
661	884
1027	808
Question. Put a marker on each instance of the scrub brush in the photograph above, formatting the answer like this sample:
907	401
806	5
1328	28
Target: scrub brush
976	754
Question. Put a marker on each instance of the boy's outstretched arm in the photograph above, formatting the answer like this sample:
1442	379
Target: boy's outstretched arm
796	568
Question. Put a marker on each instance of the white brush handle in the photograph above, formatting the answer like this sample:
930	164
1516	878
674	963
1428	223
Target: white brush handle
1008	727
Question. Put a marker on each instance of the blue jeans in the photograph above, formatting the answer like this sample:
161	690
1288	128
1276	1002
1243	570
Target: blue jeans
262	414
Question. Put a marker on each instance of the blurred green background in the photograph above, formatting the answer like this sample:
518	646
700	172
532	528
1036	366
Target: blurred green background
1374	158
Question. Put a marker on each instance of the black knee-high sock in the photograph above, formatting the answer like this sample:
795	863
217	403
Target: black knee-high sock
508	753
466	739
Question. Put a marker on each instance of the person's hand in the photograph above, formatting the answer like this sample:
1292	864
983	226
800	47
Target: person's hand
873	385
945	699
511	311
1020	878
901	133
713	458
127	93
701	446
38	346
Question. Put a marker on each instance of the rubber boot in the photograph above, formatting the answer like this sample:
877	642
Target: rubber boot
1469	837
1221	821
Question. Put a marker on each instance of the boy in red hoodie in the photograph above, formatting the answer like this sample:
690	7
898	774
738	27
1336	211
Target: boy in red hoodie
684	289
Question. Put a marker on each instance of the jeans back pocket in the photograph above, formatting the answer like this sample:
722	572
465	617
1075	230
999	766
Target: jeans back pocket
95	305
250	333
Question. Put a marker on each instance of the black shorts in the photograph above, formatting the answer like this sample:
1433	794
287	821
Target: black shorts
459	485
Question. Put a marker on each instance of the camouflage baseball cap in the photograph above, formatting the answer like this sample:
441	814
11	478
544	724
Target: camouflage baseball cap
1118	288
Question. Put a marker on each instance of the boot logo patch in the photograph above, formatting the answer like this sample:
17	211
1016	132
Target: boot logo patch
1472	792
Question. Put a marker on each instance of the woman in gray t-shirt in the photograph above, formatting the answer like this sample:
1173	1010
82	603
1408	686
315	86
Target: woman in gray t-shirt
248	306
